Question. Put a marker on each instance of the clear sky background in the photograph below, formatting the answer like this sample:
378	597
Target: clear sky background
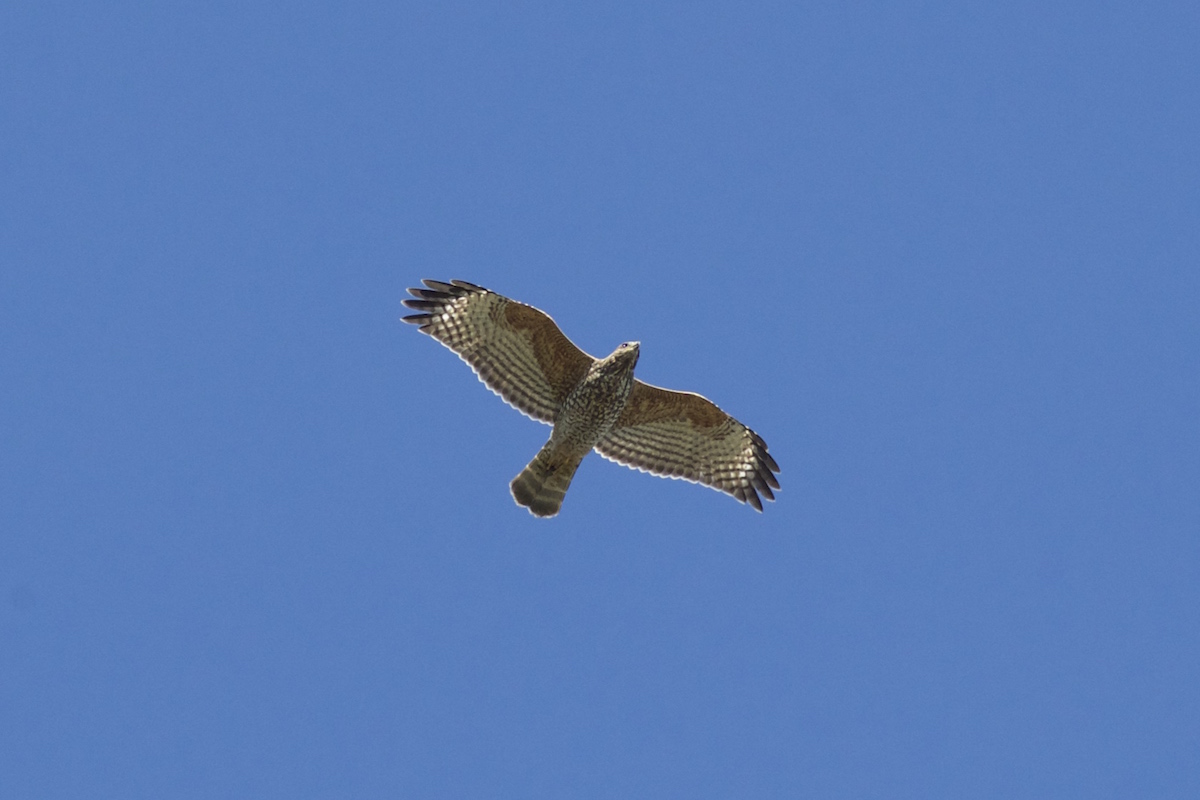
256	538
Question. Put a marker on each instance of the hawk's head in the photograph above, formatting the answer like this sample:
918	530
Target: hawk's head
620	361
628	352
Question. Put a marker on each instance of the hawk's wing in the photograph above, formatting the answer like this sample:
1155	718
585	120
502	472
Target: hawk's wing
516	350
684	435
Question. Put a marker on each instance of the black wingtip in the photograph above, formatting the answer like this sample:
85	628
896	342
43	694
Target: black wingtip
762	469
442	290
422	305
418	319
762	486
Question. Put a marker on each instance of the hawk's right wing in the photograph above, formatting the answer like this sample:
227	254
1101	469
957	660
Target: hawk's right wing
516	350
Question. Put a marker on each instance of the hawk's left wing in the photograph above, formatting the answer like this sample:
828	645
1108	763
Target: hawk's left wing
684	435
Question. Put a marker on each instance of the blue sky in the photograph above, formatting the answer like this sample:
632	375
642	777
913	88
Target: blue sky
255	532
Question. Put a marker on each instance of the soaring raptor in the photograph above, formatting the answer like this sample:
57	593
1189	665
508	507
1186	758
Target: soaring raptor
593	403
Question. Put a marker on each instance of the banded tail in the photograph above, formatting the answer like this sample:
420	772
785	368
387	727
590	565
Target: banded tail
542	485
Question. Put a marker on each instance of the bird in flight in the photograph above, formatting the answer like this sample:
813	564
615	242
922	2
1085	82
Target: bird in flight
593	403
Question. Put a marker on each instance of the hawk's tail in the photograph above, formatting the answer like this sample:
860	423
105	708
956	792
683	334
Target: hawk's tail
542	485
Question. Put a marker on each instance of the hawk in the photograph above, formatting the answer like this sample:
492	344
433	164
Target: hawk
593	403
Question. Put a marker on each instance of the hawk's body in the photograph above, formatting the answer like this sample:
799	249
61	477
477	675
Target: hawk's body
585	417
592	403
